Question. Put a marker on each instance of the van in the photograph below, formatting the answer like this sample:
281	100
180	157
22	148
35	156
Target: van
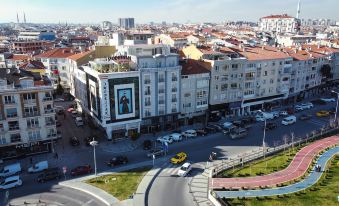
238	133
10	170
289	120
79	122
38	167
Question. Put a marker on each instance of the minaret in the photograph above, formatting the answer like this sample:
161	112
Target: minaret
17	18
24	18
298	11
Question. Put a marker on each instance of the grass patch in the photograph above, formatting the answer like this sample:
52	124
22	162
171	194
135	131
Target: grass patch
260	167
121	185
316	195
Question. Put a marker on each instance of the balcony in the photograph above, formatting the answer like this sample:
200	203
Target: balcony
13	128
147	92
29	101
147	104
174	100
48	111
161	80
161	102
33	126
161	91
50	123
174	79
161	112
47	99
12	115
51	135
174	89
31	114
9	102
147	81
174	110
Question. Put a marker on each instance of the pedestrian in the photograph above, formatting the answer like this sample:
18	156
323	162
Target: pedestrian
31	160
56	156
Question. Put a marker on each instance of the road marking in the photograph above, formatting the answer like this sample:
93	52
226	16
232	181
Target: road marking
88	202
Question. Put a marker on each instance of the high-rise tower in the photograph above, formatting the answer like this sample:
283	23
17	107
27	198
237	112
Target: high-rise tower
298	10
24	18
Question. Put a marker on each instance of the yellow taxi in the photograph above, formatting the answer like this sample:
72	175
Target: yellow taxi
179	158
322	113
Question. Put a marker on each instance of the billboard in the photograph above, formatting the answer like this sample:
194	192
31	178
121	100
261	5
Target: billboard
124	101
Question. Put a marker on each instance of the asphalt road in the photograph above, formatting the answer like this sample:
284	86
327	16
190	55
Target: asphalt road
173	188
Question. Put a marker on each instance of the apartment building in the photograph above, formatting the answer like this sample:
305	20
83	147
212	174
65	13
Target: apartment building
176	40
27	117
56	64
31	46
195	79
126	23
279	24
108	90
159	82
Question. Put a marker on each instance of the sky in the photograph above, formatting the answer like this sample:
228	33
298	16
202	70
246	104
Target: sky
145	11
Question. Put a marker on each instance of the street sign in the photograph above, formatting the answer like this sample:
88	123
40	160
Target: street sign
64	169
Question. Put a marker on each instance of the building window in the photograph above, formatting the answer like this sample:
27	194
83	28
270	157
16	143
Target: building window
216	77
9	99
234	85
147	79
271	81
2	139
34	135
15	138
32	122
216	68
265	73
225	67
187	94
224	87
201	94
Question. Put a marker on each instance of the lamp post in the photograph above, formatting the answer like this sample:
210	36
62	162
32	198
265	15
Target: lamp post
263	139
336	108
94	144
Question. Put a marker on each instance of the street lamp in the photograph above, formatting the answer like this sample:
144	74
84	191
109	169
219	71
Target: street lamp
263	139
336	108
94	144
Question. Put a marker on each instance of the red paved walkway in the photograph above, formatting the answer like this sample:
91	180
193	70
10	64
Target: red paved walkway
297	168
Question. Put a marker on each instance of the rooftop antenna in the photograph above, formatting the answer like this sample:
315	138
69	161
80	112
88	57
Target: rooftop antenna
298	10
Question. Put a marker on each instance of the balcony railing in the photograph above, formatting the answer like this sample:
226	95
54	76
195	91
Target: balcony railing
161	91
51	135
174	110
13	128
161	80
10	102
147	92
161	102
174	79
174	100
45	99
147	103
12	115
29	101
50	123
174	89
147	81
31	114
32	126
48	111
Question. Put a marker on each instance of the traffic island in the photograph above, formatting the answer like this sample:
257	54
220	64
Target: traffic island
121	185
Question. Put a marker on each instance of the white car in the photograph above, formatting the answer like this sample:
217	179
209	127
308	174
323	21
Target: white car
190	133
164	139
289	120
283	113
307	105
328	99
10	182
185	169
275	114
176	137
38	167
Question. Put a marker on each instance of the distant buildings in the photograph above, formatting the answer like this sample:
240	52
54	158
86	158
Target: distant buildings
36	35
126	23
279	24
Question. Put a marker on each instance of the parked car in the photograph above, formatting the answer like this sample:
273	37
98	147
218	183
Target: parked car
210	129
156	152
270	126
275	114
283	113
166	139
248	120
176	137
289	120
328	99
50	174
190	133
11	169
179	158
238	133
322	113
74	141
185	169
307	105
81	170
147	144
38	167
78	121
10	182
305	117
298	108
118	160
201	132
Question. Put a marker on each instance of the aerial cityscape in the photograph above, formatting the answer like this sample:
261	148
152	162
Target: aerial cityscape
177	103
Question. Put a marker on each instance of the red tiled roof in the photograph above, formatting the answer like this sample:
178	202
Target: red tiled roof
57	53
22	57
261	53
191	66
79	55
32	64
